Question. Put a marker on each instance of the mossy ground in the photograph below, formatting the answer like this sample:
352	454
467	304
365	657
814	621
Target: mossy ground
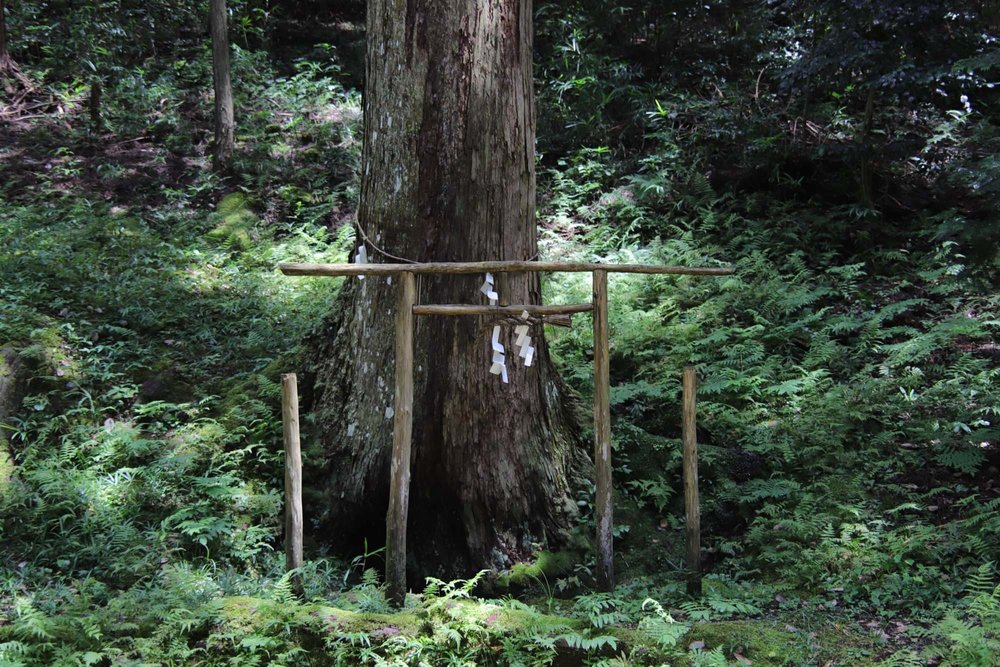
761	642
769	643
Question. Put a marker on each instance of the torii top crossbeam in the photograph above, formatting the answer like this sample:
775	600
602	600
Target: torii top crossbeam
503	266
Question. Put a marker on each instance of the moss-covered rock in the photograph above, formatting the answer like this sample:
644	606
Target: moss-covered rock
545	565
49	357
13	380
772	644
6	470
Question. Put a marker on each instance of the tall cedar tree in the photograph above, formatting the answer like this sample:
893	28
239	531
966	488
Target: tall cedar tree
225	126
448	174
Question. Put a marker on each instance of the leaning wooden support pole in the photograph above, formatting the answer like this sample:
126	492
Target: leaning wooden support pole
691	504
602	434
565	321
399	489
293	473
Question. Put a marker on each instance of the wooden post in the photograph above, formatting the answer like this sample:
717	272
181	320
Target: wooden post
602	434
402	429
293	473
692	507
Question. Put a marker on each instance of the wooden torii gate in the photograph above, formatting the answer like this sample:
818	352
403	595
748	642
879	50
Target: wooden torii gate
407	308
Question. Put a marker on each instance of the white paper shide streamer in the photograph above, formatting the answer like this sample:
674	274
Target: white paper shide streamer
489	290
499	366
361	257
523	341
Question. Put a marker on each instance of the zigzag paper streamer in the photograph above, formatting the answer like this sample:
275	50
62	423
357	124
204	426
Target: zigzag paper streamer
361	257
499	366
521	331
523	341
497	345
488	289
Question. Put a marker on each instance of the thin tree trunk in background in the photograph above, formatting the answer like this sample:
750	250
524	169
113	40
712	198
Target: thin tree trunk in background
224	123
94	105
867	187
448	174
4	56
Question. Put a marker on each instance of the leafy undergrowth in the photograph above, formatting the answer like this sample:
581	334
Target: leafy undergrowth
443	625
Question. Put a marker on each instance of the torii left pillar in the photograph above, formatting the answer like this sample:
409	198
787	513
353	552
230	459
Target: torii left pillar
399	485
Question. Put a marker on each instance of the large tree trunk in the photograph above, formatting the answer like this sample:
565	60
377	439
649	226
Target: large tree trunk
224	123
447	174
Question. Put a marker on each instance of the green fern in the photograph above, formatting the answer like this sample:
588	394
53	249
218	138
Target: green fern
587	642
713	658
971	639
904	658
660	626
30	623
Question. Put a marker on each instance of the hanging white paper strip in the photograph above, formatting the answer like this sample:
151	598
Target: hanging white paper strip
488	290
497	345
521	331
361	257
527	352
499	365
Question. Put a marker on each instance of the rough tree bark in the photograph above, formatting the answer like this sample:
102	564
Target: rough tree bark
94	105
224	123
448	173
